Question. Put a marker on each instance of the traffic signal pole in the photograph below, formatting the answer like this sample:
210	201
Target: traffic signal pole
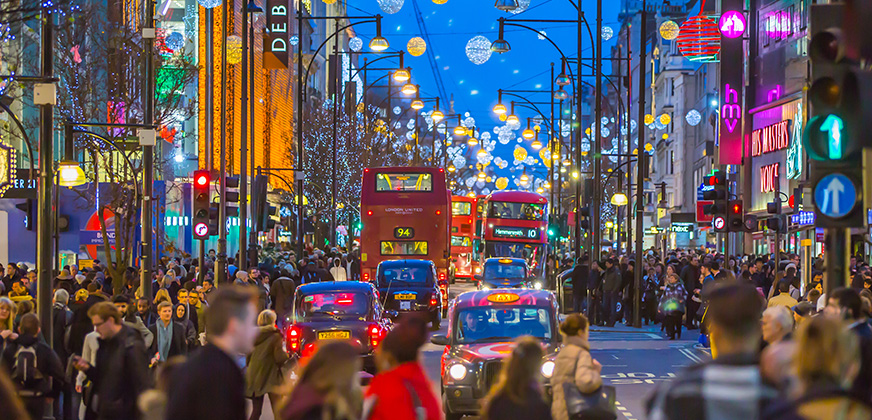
640	162
837	257
147	224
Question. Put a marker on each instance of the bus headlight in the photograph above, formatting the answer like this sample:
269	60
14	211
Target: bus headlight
457	371
548	369
477	270
537	285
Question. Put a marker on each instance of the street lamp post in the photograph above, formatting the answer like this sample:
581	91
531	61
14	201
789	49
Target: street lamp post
44	252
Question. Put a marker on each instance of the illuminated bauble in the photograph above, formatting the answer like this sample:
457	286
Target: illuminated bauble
478	49
416	46
356	44
234	49
522	6
390	6
659	125
294	40
329	1
585	145
397	110
502	183
665	119
209	4
649	147
605	132
175	41
545	155
649	119
440	1
607	33
604	120
669	30
699	39
520	153
693	117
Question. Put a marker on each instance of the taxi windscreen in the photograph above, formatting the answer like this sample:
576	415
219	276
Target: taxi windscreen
502	323
403	182
504	271
333	305
405	275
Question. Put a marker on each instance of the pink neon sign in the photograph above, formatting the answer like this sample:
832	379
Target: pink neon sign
732	24
769	177
731	112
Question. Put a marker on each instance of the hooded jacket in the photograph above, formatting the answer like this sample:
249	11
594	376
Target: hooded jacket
264	364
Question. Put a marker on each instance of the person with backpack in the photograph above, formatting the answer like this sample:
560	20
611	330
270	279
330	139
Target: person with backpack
33	365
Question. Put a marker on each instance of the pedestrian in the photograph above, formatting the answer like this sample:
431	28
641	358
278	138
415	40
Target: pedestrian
338	273
689	276
35	369
180	316
282	298
10	403
162	295
119	373
153	402
776	327
264	366
518	392
845	304
595	293
401	389
611	291
580	276
673	305
574	364
7	320
783	298
730	386
328	387
825	369
145	312
650	287
210	385
169	336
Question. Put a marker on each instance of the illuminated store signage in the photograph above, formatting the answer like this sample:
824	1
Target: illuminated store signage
731	97
732	24
794	151
277	23
770	138
769	177
803	218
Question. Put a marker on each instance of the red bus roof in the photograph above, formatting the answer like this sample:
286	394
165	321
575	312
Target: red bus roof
509	297
517	197
462	198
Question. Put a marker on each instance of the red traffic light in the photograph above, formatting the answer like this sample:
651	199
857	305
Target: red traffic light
737	208
790	202
202	179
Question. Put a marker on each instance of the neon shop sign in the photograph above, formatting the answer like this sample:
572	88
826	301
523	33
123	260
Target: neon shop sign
771	138
769	177
731	112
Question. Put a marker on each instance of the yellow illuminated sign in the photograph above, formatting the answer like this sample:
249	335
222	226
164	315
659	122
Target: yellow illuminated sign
503	298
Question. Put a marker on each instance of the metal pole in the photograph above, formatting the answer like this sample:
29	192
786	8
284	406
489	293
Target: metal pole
43	220
147	157
299	163
640	163
210	94
552	136
243	150
252	234
594	208
337	83
202	262
221	261
627	148
836	269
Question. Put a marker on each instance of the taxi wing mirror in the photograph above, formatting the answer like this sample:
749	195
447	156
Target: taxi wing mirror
477	277
439	339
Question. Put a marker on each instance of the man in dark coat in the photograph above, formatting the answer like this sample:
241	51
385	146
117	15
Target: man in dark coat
120	373
169	336
281	294
611	291
690	277
846	304
210	385
579	283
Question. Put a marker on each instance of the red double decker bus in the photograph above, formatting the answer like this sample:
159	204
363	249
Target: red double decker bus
515	225
405	213
463	222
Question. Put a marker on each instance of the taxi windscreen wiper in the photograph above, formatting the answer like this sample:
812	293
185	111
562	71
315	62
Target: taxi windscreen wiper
333	315
495	338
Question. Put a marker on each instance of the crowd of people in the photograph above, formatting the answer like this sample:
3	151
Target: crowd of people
196	350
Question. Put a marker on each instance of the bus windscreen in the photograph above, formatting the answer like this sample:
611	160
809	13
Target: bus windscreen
461	208
517	211
403	182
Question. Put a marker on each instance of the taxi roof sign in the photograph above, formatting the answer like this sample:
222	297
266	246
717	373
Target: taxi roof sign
503	298
505	261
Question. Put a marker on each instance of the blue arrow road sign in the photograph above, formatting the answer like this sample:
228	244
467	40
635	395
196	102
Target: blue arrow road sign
835	195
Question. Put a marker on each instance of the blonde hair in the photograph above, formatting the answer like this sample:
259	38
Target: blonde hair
161	296
266	317
828	351
8	303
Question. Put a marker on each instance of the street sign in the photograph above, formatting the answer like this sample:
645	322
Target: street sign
719	222
201	230
833	126
835	195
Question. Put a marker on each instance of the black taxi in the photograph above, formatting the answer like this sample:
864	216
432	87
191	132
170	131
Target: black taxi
411	286
506	273
341	310
482	328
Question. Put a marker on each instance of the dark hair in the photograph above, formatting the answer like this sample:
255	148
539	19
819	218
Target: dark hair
573	324
29	325
405	339
228	302
105	310
735	308
121	299
784	285
849	299
714	266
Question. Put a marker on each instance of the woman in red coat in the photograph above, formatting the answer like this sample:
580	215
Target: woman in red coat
401	390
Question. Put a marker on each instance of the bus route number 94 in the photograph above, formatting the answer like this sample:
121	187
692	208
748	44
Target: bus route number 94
404	233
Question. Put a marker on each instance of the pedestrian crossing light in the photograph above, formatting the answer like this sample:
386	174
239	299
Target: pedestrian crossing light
200	220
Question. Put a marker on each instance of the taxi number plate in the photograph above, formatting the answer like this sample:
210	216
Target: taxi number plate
333	335
406	306
404	296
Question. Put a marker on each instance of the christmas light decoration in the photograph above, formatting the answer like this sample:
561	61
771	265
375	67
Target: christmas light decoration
693	117
416	46
390	6
665	119
209	4
478	49
175	41
699	39
607	33
356	44
234	49
669	30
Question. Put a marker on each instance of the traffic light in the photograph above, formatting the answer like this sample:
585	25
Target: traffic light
200	221
27	208
777	223
213	219
553	229
231	198
717	194
259	203
839	122
736	217
584	218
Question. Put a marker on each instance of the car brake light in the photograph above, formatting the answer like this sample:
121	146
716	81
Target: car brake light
433	300
438	212
308	351
369	212
295	335
365	276
442	276
374	333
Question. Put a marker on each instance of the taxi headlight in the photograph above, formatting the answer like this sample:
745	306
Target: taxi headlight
457	372
477	270
485	288
548	369
537	285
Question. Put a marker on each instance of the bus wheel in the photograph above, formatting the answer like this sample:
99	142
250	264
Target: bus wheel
452	279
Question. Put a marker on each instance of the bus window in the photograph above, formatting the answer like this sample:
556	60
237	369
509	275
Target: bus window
403	247
403	182
461	208
517	211
460	241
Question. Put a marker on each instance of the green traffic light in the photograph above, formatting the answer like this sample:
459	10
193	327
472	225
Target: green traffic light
833	126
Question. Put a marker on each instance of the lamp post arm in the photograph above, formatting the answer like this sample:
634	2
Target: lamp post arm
336	32
118	149
511	23
23	134
536	108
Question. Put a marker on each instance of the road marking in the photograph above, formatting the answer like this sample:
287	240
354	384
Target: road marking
623	410
689	354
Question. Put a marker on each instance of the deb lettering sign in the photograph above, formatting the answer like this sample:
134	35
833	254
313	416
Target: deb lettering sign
277	23
95	237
